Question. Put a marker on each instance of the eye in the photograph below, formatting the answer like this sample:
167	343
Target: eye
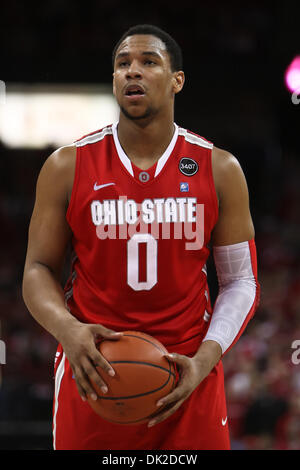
149	62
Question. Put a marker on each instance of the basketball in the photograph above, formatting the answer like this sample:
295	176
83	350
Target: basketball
143	376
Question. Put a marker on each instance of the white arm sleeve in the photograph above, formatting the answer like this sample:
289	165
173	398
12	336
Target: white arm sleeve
235	303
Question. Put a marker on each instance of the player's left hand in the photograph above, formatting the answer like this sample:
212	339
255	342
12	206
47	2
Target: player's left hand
191	373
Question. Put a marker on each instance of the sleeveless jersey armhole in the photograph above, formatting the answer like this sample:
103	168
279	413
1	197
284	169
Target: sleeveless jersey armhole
75	186
213	191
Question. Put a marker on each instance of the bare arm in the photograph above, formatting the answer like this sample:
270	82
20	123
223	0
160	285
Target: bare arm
48	239
235	222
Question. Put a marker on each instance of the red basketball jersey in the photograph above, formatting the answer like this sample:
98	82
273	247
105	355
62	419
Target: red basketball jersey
140	238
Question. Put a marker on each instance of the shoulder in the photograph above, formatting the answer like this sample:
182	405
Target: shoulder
223	160
59	169
62	158
227	171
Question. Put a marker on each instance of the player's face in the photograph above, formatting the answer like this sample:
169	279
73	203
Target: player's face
143	82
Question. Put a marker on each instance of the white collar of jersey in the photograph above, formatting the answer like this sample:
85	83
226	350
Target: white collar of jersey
126	160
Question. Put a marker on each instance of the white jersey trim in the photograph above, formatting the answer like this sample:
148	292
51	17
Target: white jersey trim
164	158
91	139
122	155
194	139
58	378
160	163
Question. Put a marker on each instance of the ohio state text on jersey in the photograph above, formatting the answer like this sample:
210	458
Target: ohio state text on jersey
140	237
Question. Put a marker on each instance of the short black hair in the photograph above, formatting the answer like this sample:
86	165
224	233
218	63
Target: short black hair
172	46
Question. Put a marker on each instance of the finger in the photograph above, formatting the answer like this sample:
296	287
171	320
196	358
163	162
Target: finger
180	391
80	389
176	358
101	332
93	374
177	394
83	384
172	397
99	362
182	365
165	414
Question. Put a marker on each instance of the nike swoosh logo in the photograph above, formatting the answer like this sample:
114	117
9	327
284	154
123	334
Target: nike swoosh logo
224	421
100	186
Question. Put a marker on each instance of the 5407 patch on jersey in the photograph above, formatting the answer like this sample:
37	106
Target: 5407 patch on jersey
188	166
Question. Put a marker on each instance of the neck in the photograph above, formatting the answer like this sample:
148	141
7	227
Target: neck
144	142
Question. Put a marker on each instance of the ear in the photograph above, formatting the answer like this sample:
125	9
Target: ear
178	81
114	89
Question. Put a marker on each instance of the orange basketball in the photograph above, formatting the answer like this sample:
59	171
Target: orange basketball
143	376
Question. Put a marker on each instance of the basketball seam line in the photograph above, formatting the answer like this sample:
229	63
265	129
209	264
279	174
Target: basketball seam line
153	344
147	340
136	421
144	364
136	396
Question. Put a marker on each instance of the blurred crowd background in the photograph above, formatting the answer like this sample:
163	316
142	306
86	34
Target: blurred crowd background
235	55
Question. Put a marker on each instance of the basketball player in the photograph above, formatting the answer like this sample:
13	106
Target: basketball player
142	203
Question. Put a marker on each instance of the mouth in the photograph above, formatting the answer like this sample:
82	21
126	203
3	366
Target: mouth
134	91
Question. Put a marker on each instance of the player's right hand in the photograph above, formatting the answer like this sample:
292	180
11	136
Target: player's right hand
79	344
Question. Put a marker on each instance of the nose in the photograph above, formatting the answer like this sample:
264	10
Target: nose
134	70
